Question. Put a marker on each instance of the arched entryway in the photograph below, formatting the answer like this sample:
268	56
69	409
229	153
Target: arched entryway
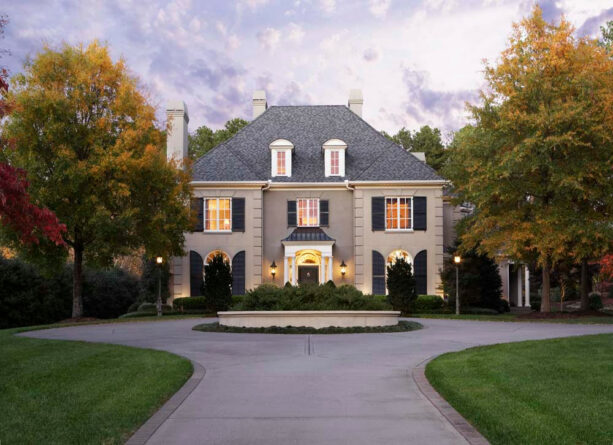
308	263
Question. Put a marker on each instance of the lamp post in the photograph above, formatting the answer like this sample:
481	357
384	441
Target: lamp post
343	269
457	259
159	260
273	269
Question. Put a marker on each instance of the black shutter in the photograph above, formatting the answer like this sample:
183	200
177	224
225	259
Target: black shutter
378	213
378	273
238	214
238	273
195	274
419	212
291	213
420	269
323	213
198	210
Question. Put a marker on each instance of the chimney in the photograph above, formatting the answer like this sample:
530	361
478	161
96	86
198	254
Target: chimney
176	139
356	101
259	102
419	155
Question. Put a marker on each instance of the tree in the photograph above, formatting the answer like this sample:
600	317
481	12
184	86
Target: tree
427	140
479	279
217	287
537	160
606	41
401	285
86	135
204	139
27	221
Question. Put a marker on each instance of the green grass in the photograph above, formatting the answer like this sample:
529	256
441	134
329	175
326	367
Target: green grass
536	392
65	392
514	317
402	326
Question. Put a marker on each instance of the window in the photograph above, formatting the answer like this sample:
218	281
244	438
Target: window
335	163
281	171
308	212
217	214
214	253
392	257
398	214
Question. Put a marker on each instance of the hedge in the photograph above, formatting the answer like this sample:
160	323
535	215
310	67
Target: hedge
428	304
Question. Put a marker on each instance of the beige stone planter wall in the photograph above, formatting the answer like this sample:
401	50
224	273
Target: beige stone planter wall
314	319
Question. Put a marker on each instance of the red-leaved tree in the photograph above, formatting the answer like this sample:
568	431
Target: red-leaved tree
17	212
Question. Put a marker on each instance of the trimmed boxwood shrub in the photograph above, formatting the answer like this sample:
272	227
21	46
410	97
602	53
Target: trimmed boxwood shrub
401	285
428	304
217	286
305	297
188	304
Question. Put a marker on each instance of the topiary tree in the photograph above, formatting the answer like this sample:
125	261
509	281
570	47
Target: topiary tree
217	287
401	285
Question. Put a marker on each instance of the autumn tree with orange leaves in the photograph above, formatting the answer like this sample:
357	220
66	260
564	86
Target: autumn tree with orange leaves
86	136
537	161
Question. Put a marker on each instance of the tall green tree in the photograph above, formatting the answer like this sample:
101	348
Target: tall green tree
86	136
537	160
427	140
204	139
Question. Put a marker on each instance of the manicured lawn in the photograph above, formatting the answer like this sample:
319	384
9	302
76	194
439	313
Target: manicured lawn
536	392
515	317
65	392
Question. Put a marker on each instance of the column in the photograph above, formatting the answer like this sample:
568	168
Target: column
520	300
322	270
285	270
294	280
527	284
330	275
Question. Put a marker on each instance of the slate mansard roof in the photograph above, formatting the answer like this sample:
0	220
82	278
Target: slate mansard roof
370	156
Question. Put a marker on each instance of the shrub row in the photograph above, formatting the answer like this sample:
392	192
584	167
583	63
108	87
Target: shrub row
268	297
29	298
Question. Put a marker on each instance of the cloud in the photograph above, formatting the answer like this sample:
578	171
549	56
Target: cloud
591	27
551	10
370	54
269	38
252	4
295	33
379	8
327	6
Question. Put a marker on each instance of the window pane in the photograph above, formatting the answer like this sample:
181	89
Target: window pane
334	163
404	213
225	219
211	214
281	163
391	213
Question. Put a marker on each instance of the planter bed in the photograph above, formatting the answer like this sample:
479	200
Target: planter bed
312	319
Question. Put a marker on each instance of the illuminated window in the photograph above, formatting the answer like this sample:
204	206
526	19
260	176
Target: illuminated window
398	213
214	253
392	257
281	170
217	214
308	212
334	163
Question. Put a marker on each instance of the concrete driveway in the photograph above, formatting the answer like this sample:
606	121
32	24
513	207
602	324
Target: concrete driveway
310	389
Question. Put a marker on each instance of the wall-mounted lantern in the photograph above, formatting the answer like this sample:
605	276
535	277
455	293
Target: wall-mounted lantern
343	268
273	269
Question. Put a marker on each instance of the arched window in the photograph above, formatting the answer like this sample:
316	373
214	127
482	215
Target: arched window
399	253
214	253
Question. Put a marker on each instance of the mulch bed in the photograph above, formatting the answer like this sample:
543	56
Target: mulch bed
562	315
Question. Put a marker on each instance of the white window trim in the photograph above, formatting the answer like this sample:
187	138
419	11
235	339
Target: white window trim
288	162
307	210
330	146
204	218
398	214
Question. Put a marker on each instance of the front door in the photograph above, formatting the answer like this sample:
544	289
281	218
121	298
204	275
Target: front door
308	274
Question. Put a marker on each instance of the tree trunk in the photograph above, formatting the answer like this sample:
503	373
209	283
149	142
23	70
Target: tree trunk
77	282
545	292
585	285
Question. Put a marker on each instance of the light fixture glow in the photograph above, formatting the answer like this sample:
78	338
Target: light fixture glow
159	260
457	259
343	268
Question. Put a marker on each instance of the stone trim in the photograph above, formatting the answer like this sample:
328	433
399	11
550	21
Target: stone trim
456	420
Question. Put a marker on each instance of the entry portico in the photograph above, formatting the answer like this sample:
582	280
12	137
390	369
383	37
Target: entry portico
307	248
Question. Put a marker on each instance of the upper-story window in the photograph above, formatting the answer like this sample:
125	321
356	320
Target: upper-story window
218	214
308	212
399	213
281	157
334	157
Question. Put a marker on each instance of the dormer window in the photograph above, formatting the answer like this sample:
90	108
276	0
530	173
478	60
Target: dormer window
334	157
281	157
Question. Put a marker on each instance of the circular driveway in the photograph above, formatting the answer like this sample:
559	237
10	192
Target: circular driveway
310	389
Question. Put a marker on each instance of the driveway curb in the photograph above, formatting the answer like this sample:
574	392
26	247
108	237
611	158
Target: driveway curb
461	425
144	433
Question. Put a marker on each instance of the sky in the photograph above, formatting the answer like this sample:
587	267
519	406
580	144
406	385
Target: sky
417	62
